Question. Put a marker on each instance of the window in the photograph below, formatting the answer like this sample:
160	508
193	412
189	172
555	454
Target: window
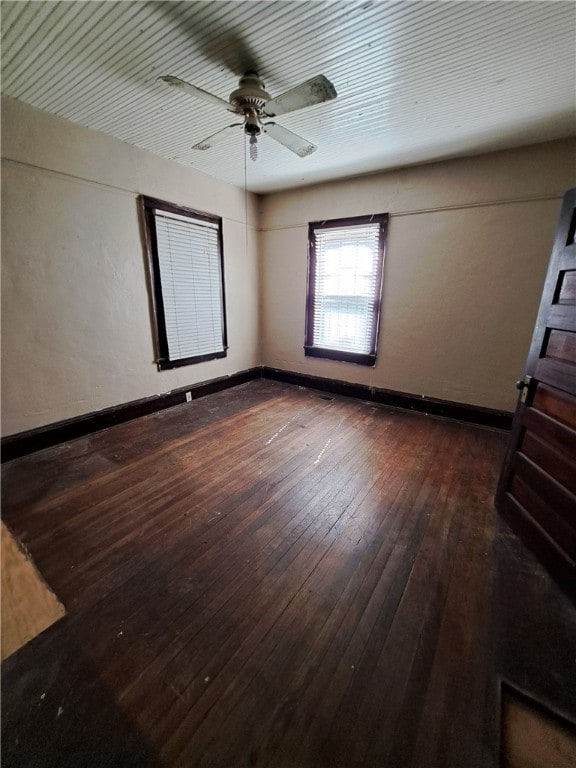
187	278
345	260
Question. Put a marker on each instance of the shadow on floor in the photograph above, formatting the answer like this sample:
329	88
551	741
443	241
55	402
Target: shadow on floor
56	712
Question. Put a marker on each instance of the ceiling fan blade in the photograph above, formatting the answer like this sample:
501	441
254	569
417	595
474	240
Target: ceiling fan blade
194	91
314	91
290	140
217	138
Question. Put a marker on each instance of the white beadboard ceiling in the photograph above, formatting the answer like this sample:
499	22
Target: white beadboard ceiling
416	81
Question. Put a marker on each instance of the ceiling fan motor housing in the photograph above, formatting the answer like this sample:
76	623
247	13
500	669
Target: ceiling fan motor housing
250	96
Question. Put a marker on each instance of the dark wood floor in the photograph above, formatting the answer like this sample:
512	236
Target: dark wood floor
267	577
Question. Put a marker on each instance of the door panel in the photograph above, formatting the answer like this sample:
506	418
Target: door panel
555	404
537	488
562	346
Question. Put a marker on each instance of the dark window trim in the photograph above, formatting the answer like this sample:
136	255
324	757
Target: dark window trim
310	350
147	207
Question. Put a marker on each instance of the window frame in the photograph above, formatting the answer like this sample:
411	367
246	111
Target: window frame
147	206
312	350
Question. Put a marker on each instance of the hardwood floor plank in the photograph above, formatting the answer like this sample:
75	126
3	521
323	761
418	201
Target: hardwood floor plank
271	578
307	611
371	686
461	659
276	595
222	536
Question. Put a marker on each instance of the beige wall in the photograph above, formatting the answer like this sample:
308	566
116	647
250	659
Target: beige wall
468	246
467	251
76	330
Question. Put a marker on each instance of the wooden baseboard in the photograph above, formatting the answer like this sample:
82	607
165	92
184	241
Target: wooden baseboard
473	414
23	443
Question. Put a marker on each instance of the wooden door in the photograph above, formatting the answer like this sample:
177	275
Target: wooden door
537	489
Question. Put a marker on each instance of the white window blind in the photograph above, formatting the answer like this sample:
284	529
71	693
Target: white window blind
191	280
347	278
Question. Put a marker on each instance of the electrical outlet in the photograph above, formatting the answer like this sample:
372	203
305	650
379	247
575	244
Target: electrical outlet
188	397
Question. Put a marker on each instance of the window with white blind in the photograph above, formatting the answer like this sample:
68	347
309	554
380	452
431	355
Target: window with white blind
187	277
345	267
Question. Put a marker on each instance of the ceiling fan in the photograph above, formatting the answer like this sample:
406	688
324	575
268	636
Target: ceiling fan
252	102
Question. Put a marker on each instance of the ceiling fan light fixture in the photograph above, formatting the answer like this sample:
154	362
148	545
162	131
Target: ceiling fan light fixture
252	128
253	147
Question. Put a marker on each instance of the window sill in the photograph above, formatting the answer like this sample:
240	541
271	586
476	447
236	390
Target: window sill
342	357
164	365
